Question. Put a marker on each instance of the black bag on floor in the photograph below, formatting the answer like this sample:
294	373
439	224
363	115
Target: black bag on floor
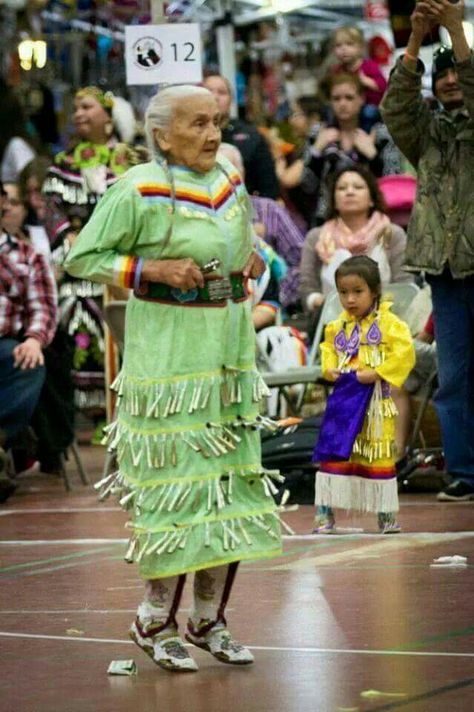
290	451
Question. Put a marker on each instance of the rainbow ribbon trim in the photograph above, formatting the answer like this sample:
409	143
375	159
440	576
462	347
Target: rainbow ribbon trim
124	271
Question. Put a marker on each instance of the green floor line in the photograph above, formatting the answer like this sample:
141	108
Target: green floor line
450	635
30	564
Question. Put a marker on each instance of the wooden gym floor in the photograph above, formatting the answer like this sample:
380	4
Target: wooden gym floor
332	622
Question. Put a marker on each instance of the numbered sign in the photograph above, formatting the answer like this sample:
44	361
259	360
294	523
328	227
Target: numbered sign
156	54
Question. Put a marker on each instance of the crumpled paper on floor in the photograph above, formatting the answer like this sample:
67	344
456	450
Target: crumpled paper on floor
449	561
122	667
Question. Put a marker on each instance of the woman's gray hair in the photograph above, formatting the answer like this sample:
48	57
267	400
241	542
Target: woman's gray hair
161	108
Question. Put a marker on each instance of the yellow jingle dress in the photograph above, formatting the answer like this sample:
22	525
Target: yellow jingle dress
367	481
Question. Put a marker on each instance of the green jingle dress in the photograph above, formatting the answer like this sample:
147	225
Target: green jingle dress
187	428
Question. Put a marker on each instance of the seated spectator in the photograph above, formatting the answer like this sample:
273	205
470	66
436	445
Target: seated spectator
53	418
258	161
274	225
349	48
28	312
30	185
343	142
265	290
356	225
299	187
15	220
425	350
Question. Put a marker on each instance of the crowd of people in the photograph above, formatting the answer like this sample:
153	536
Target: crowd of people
194	223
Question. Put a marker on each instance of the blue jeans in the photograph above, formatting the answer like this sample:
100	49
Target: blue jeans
19	391
453	309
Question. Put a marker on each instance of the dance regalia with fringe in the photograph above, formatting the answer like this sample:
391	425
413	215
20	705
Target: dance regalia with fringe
74	184
186	432
367	480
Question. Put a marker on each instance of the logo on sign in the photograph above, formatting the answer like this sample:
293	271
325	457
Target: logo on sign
147	53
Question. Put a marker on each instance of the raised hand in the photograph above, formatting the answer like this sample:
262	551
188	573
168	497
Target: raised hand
422	21
446	13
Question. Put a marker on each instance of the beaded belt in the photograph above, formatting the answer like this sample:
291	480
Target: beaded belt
215	293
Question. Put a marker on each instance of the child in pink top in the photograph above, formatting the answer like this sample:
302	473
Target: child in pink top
349	48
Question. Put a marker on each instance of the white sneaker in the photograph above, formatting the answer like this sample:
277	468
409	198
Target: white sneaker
166	649
219	642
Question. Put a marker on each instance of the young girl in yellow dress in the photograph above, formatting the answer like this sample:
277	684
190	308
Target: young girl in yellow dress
365	351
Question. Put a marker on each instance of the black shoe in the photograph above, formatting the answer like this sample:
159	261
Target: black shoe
457	491
7	487
52	465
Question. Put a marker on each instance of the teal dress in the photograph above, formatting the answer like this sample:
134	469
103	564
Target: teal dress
186	432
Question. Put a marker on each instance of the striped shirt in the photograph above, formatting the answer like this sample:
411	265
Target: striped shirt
287	241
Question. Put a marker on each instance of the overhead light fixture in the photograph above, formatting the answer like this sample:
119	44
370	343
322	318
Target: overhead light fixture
32	53
286	5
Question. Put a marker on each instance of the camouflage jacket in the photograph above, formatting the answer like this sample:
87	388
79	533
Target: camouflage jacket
440	144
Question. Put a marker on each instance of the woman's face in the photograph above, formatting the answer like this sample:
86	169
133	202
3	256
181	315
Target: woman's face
35	197
193	137
352	195
346	102
90	117
14	210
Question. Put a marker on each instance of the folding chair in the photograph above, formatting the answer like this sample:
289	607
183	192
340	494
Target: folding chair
114	316
311	373
400	293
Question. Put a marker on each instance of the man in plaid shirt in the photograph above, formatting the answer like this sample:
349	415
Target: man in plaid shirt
28	320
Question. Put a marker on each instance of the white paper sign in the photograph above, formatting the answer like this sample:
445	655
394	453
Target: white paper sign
156	54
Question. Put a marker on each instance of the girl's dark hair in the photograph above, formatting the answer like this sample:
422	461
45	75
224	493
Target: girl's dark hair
374	190
364	267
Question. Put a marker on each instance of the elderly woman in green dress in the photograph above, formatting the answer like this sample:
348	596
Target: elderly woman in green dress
178	232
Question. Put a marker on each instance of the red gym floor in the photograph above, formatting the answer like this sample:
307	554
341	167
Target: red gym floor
354	621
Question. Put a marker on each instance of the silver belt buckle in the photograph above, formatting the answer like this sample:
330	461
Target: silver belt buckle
219	289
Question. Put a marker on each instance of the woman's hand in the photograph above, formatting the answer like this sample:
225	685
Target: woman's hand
367	375
365	143
28	354
255	266
332	375
183	274
325	137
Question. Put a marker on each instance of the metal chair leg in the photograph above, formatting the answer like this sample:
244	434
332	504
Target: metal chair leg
79	465
64	474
